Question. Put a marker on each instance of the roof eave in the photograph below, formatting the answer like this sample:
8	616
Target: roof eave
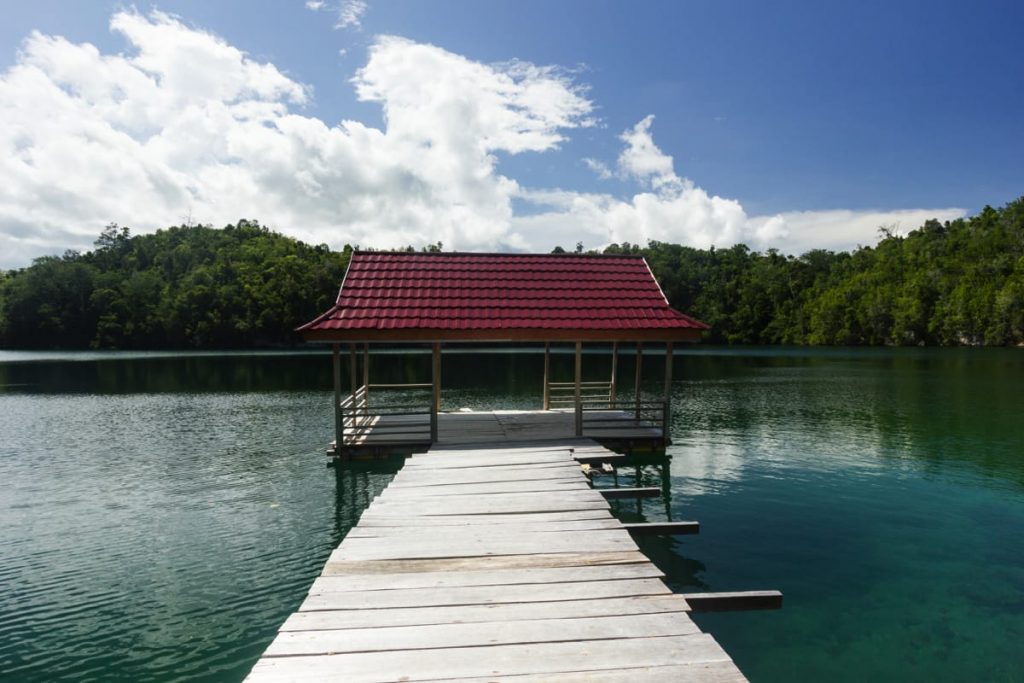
327	314
502	335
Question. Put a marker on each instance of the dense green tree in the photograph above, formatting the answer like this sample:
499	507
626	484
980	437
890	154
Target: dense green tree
187	286
954	283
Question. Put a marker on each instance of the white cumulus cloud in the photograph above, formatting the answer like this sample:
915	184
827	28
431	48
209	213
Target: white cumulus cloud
641	159
671	208
347	13
184	123
843	229
181	123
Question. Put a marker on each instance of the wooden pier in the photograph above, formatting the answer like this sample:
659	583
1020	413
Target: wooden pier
485	563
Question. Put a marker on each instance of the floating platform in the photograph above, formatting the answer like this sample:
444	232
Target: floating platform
485	563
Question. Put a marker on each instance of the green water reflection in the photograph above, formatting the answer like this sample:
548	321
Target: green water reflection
161	515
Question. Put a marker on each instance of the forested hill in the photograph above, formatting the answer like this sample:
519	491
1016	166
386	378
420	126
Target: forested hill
244	286
958	283
185	287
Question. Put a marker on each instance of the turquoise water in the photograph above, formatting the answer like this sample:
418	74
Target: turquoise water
161	515
882	491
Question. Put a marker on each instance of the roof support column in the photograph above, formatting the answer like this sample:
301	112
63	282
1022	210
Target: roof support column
366	379
435	380
639	374
667	416
577	389
615	367
339	426
547	375
353	361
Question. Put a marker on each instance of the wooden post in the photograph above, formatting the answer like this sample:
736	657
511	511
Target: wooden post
547	375
435	380
576	389
666	485
615	367
353	361
668	370
339	425
667	417
639	373
366	379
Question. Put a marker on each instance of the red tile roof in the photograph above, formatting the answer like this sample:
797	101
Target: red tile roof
455	296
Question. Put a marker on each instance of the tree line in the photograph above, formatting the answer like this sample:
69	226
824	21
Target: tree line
956	283
244	286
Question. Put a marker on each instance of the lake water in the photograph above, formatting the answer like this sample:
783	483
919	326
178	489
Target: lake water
161	515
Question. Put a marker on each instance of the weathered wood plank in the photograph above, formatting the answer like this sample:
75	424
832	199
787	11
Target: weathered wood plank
494	577
408	496
598	458
491	503
476	479
377	517
697	672
545	559
486	456
388	549
736	601
662	528
496	661
500	613
481	595
483	534
489	488
374	619
488	450
466	468
488	477
486	539
642	492
414	529
428	637
477	507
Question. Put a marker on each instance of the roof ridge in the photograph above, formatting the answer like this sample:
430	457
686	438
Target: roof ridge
517	254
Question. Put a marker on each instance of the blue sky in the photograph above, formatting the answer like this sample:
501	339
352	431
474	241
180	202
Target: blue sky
791	125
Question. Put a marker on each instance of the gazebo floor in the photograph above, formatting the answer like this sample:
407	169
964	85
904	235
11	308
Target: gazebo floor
618	428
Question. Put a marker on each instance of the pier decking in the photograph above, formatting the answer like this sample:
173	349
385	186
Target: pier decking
482	563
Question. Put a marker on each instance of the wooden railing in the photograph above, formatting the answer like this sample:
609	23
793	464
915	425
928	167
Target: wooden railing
412	422
599	411
598	394
627	415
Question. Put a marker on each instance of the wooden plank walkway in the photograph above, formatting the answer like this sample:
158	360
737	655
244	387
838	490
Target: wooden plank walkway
483	564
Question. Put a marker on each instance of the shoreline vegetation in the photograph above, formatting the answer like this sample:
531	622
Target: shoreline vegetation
959	283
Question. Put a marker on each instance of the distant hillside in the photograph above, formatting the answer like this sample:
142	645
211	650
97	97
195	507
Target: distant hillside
244	286
958	283
184	287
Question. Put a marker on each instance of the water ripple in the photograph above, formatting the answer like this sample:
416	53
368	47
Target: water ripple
160	537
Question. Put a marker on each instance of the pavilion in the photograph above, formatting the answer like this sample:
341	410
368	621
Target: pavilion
448	298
